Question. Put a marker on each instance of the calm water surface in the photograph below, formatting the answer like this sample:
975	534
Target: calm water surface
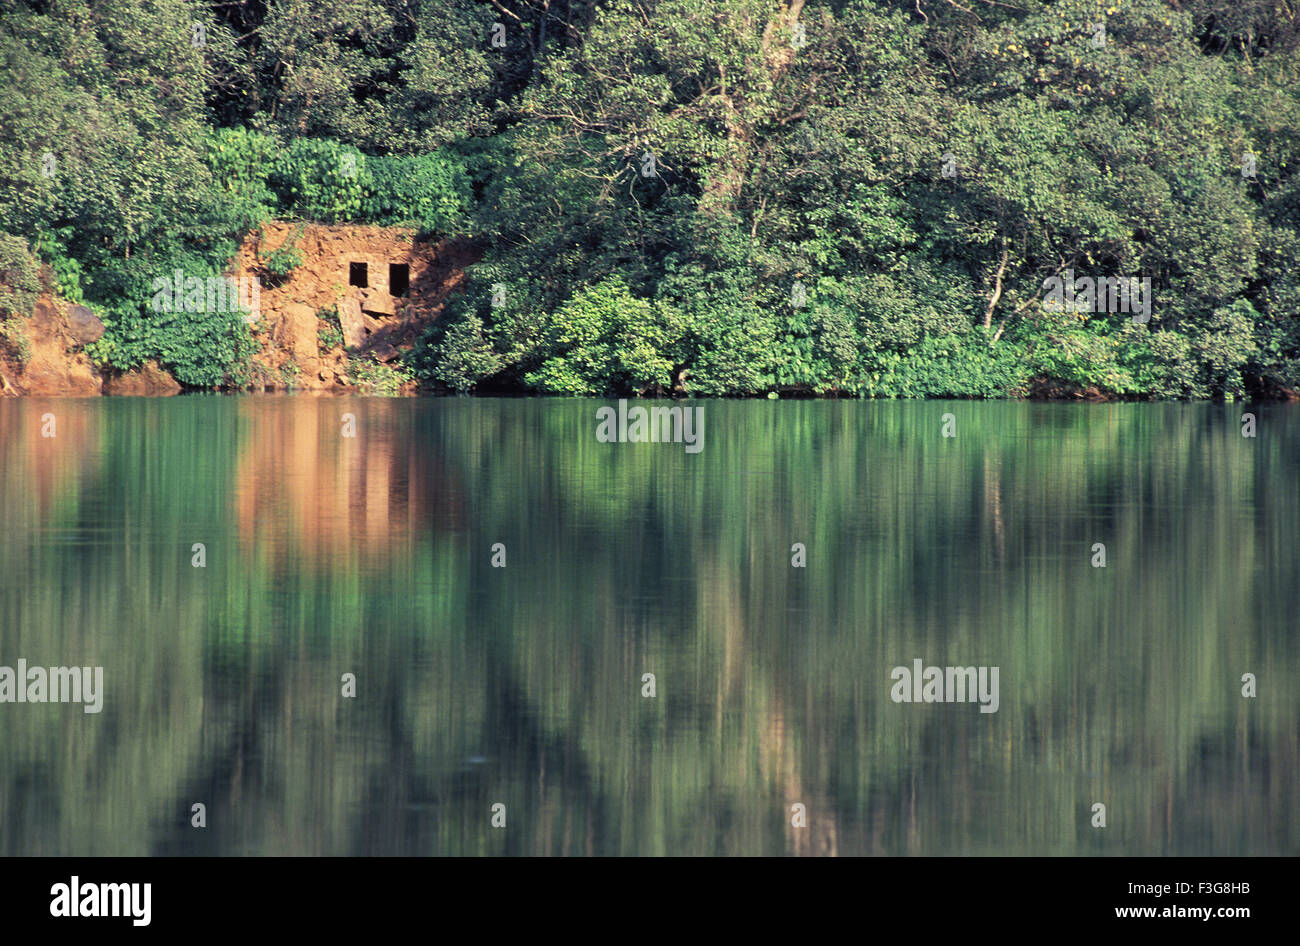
522	685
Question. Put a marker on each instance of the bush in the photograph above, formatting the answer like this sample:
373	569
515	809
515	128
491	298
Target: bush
241	162
1083	354
952	366
1226	345
728	341
430	191
20	281
284	259
605	340
331	336
201	349
461	359
67	269
375	378
322	180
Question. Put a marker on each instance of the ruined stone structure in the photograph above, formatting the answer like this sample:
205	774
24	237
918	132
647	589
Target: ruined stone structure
383	284
360	294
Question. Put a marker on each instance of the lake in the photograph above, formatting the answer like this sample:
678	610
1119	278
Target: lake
381	643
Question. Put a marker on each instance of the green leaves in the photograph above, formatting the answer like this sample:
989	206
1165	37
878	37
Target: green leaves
322	180
282	261
430	191
19	277
241	161
766	161
464	358
605	340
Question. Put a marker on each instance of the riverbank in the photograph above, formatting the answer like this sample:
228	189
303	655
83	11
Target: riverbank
312	334
302	353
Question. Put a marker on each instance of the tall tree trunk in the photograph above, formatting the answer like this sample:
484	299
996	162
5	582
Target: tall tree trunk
997	287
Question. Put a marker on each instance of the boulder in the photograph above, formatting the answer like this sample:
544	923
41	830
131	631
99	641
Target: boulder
298	334
148	380
384	352
378	302
53	374
354	329
83	326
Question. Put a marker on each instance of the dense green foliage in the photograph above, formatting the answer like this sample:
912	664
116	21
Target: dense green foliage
20	284
852	196
19	277
321	180
431	191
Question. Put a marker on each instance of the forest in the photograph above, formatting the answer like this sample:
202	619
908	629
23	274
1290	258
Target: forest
851	198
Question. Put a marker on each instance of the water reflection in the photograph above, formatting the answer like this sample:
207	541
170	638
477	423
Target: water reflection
329	555
319	482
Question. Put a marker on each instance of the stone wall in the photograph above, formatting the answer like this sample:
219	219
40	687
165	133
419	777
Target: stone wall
374	323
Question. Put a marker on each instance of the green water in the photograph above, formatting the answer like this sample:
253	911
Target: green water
327	555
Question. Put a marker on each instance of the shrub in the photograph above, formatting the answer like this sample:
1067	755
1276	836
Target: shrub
605	340
1082	354
331	336
282	261
20	281
430	191
951	366
201	349
241	162
320	179
67	269
460	360
1226	345
382	380
728	340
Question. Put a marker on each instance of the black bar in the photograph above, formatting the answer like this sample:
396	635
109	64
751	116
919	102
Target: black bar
334	896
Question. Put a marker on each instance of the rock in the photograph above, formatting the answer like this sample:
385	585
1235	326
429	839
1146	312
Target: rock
148	380
354	329
384	352
55	375
50	369
83	326
45	320
298	333
378	302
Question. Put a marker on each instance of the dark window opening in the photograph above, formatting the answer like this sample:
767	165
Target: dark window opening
358	275
399	278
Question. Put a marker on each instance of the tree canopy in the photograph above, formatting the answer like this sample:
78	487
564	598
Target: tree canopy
736	197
